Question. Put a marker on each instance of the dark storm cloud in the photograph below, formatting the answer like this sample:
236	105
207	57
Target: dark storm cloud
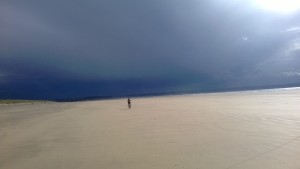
56	49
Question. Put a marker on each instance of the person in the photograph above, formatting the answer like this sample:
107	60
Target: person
129	103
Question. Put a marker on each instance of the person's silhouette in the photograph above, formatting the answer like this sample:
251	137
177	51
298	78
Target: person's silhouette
129	103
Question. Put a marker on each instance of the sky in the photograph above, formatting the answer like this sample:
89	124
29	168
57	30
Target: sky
62	49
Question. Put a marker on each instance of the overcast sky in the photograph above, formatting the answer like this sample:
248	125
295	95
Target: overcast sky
75	48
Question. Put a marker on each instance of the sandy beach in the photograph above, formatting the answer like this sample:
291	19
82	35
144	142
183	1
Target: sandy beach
238	130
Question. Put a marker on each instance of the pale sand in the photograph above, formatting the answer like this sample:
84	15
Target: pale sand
245	130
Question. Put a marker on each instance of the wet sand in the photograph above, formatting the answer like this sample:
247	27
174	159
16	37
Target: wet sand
241	130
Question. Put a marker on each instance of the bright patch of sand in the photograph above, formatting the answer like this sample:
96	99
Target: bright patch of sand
245	130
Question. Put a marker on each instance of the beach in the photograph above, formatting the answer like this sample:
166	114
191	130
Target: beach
232	130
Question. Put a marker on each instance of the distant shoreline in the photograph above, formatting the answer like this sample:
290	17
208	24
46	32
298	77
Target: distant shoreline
12	101
142	95
92	98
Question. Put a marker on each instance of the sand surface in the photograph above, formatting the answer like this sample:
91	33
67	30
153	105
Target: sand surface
245	130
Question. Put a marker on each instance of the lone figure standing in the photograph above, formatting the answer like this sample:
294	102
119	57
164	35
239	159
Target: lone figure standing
129	103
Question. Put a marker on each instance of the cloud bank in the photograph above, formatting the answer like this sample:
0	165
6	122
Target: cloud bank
66	49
